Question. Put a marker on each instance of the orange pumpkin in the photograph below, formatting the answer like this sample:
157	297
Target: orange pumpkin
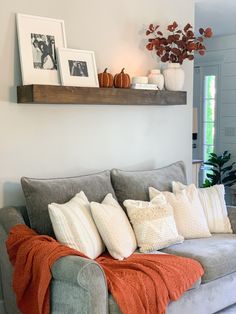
105	79
122	80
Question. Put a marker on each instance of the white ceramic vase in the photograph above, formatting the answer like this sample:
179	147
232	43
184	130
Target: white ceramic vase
174	77
155	77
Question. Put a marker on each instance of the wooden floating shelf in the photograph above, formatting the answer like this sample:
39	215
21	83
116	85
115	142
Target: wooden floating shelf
50	94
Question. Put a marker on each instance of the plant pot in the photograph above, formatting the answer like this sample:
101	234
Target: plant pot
155	77
174	77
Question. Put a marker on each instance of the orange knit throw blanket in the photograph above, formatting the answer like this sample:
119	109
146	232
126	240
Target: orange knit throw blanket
142	283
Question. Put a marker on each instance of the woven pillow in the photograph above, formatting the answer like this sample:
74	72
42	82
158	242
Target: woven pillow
213	203
188	212
114	227
73	226
153	223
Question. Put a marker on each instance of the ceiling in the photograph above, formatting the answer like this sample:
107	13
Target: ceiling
218	14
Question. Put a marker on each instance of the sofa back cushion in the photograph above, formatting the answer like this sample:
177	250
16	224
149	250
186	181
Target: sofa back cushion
134	184
41	192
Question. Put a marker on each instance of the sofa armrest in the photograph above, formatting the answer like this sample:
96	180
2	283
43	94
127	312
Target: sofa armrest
77	283
88	277
232	217
9	217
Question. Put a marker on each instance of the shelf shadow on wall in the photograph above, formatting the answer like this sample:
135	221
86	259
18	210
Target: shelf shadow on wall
17	70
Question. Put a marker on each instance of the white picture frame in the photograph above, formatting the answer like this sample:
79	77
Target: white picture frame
38	39
77	67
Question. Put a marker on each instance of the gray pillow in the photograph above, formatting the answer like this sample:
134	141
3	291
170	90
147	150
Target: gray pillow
41	192
134	184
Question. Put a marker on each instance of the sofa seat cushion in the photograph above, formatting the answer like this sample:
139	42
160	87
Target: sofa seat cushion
134	185
41	192
217	254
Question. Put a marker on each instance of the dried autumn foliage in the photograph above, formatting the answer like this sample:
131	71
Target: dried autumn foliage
179	44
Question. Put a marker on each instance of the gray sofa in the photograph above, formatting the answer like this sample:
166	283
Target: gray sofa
79	285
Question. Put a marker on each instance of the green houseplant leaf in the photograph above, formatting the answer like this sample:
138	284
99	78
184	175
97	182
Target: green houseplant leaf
219	172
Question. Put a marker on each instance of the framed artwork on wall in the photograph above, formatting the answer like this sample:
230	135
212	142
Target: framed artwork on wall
38	39
77	68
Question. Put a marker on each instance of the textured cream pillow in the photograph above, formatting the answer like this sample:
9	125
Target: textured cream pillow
114	227
153	223
188	212
73	226
213	203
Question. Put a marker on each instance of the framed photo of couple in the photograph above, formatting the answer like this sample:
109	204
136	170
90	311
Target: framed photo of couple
77	67
38	39
44	56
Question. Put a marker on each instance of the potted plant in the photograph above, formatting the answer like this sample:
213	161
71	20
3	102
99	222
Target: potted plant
178	45
219	172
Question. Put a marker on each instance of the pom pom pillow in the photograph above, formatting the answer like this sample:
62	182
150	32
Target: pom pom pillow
153	223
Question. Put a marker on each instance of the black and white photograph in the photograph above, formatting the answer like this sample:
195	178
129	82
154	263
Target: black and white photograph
38	39
44	52
78	68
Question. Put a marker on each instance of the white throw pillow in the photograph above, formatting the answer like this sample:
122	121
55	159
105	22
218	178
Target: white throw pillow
213	203
114	227
153	223
73	226
188	212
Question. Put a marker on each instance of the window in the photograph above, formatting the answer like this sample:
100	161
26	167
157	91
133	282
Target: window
205	99
209	108
209	114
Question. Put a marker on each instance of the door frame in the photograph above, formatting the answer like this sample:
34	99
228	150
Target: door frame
200	64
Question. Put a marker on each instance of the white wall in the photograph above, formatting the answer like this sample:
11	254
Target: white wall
65	140
222	50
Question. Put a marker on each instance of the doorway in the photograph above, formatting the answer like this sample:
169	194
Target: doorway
206	102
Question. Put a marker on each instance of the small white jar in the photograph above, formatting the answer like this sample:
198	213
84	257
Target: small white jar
155	77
